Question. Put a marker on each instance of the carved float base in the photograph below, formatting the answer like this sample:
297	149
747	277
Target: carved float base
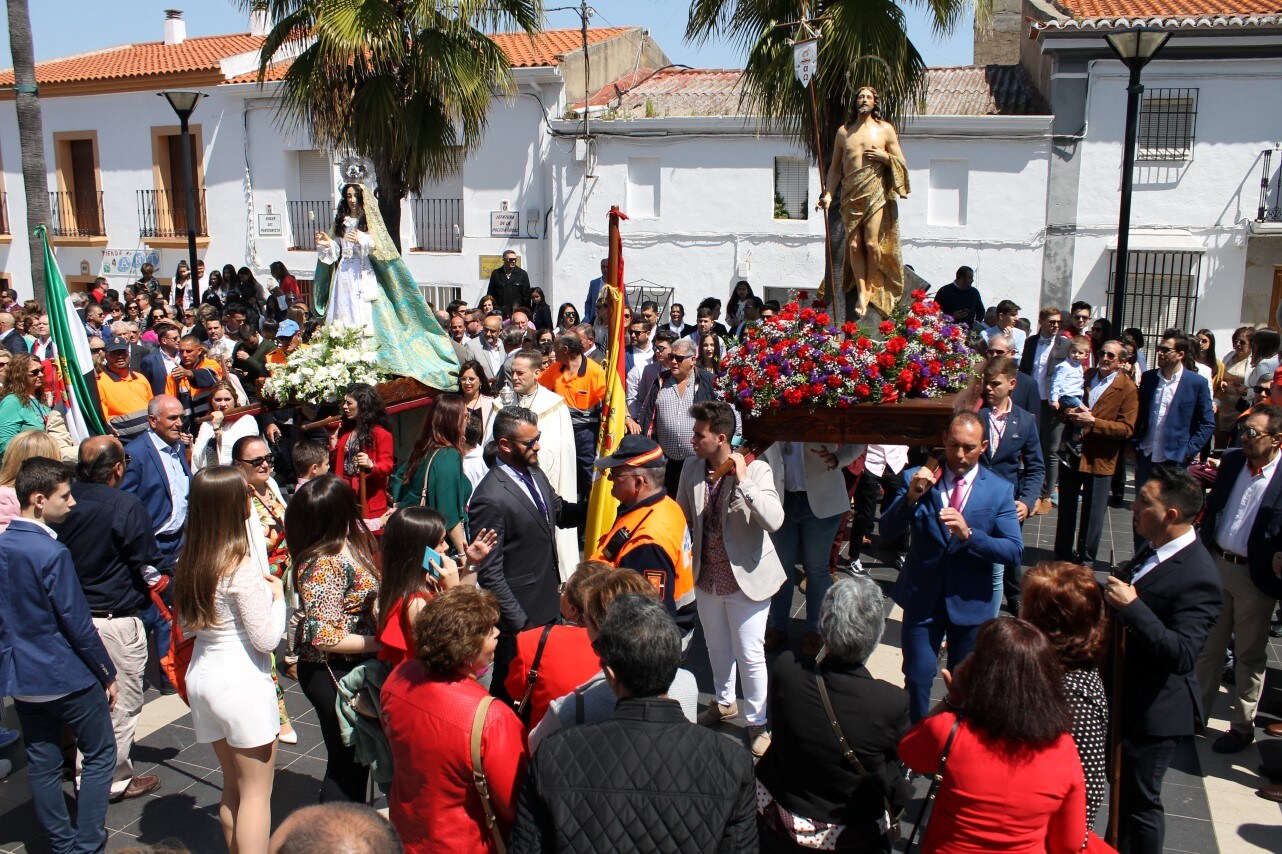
909	422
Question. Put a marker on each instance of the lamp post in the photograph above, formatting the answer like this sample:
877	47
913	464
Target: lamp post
1135	47
184	104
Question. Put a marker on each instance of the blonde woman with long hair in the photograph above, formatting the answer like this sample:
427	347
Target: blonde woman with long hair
27	444
223	591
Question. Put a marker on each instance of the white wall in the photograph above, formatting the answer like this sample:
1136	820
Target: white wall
1212	195
717	212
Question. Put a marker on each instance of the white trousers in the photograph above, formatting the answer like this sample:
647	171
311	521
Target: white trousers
734	627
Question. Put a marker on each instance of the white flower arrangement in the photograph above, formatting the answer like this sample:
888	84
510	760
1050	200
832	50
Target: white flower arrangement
337	357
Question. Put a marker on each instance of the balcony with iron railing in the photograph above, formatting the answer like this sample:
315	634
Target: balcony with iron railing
438	224
307	218
1270	209
77	216
162	217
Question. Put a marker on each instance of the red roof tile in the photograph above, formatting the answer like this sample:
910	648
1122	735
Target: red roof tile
547	47
1166	8
145	59
965	91
148	59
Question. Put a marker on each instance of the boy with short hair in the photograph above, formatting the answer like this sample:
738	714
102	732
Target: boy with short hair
311	460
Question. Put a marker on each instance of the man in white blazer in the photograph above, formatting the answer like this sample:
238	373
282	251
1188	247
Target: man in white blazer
736	570
808	480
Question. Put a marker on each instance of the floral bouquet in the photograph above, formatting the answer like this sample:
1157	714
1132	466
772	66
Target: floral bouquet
337	357
800	357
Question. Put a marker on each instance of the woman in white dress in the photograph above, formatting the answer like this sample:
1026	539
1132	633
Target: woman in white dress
223	590
355	285
215	438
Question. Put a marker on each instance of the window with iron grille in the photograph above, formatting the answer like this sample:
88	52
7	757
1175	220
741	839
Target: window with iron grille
1161	291
792	188
1168	119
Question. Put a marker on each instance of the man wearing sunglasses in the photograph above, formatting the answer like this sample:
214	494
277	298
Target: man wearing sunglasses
1024	394
1175	417
1107	421
663	410
1042	355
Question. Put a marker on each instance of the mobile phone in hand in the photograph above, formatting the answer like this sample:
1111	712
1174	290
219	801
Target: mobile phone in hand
432	563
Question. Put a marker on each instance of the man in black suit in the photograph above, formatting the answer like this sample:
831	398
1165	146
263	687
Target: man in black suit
509	285
1024	395
10	338
516	502
1042	354
1166	599
1242	527
1014	454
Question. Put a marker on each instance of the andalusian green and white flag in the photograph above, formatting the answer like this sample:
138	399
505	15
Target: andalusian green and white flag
75	362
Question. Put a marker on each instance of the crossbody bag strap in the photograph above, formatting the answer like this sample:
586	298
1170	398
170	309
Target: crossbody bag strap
523	710
422	499
846	752
478	773
933	792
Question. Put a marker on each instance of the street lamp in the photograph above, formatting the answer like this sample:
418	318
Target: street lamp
1135	47
184	104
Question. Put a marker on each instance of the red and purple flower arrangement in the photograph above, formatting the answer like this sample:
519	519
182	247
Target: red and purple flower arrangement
801	357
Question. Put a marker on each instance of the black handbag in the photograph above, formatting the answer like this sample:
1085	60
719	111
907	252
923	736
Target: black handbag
933	791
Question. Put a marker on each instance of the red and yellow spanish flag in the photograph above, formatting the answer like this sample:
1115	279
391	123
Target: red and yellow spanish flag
602	508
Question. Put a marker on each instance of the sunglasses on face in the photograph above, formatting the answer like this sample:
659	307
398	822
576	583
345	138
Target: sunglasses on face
1260	389
255	462
1163	349
1255	432
36	372
993	352
529	445
97	349
679	357
1107	356
1055	322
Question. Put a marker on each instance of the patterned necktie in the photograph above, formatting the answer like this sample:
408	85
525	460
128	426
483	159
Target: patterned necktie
534	491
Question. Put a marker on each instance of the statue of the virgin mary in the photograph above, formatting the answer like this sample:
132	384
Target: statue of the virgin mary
362	281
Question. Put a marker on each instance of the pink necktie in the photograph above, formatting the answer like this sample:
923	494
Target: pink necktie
955	501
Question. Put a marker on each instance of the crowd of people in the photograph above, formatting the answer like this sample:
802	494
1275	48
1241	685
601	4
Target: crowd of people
512	687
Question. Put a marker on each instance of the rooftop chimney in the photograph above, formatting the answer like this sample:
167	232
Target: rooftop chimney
175	27
259	22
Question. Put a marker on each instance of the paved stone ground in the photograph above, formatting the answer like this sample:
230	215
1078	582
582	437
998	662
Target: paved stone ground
1205	815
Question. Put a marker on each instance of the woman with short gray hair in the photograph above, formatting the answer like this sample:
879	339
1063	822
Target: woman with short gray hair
809	794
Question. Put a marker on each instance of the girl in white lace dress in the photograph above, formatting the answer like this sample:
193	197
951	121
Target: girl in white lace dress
223	590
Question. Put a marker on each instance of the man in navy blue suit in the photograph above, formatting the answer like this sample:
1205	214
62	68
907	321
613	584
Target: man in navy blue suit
1175	419
158	473
963	521
1025	394
1014	454
52	661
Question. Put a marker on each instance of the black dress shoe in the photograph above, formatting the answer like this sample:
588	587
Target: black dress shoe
1232	742
1273	772
168	690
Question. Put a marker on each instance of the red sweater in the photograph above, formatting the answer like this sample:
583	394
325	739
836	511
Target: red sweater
428	723
987	803
375	481
568	661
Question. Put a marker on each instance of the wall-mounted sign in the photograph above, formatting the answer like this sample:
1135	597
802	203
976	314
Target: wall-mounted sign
490	263
271	225
505	224
126	262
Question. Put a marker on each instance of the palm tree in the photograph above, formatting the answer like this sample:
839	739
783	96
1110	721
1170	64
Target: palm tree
861	43
406	83
35	178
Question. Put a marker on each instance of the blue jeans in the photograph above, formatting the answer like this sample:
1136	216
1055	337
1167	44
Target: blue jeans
156	624
89	718
921	641
804	535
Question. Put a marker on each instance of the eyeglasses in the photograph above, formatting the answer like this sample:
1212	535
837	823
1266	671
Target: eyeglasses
256	462
529	446
1260	389
97	349
679	357
1055	322
1255	432
993	352
1081	318
128	459
615	474
1164	349
494	313
1107	356
36	372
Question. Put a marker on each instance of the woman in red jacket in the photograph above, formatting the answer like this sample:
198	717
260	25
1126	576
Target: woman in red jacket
568	659
1012	782
363	446
429	710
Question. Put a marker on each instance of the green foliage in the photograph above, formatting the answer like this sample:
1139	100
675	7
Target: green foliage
398	81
